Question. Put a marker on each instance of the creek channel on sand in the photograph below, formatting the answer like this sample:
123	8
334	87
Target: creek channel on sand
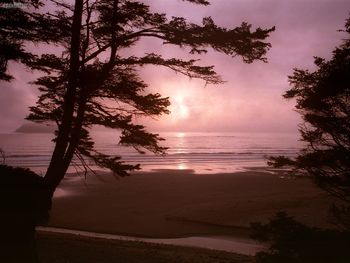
242	246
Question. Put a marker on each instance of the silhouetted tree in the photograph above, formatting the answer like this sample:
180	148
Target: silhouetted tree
323	100
93	82
13	22
20	25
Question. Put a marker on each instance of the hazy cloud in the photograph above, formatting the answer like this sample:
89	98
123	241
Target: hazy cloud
251	99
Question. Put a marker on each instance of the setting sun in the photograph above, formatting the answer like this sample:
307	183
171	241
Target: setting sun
179	110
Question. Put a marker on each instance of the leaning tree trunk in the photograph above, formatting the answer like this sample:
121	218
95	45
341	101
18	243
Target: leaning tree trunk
56	169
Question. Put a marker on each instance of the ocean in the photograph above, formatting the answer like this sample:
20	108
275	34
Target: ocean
200	152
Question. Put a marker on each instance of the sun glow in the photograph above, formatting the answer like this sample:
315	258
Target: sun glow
183	97
179	109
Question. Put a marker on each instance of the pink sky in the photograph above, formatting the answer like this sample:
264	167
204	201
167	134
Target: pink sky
251	99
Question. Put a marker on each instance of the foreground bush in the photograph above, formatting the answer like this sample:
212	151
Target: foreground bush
24	203
293	242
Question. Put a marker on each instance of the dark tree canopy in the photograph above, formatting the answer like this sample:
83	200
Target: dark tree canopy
92	82
20	26
323	100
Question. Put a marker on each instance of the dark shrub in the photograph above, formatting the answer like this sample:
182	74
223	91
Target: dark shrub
293	242
24	203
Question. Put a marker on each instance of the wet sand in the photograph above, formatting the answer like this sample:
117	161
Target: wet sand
172	203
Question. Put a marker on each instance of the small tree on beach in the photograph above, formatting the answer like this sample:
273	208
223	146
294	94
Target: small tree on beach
323	100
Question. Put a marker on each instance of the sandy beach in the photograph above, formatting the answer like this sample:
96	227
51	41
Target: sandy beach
170	203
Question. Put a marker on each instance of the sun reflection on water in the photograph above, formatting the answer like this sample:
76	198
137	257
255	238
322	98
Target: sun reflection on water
182	166
181	142
180	134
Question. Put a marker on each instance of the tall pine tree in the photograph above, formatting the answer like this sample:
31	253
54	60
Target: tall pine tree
93	82
323	100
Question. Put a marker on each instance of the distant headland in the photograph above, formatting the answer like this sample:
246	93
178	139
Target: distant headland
36	128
